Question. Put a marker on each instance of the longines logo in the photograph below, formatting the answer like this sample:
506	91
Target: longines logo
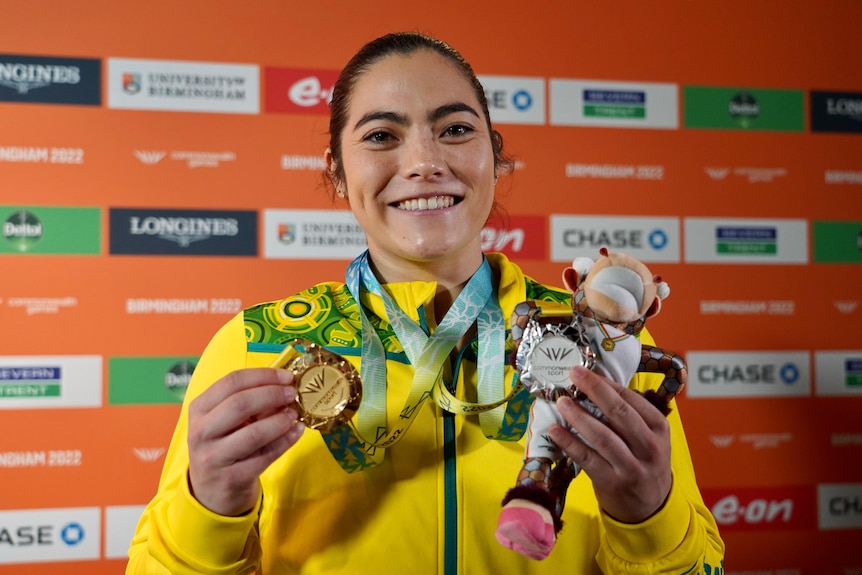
836	112
183	232
50	80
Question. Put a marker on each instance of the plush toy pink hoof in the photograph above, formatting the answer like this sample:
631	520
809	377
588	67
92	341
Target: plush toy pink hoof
526	528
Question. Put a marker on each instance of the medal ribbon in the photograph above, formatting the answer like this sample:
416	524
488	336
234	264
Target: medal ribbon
366	436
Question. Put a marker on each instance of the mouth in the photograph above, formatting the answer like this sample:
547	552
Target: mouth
430	203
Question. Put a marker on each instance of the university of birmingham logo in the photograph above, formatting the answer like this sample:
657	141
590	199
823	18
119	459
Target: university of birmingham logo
131	83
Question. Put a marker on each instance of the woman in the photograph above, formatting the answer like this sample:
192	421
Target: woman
410	488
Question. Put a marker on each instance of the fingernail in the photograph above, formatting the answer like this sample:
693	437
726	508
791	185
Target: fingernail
284	376
565	403
579	371
290	393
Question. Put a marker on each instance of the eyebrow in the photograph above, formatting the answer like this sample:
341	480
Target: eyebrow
435	115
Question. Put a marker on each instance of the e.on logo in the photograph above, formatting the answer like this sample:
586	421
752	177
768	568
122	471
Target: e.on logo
763	509
521	237
298	91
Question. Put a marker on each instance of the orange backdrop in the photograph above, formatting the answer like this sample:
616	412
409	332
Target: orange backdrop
783	474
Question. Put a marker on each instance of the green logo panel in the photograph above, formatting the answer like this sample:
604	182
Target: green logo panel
50	230
743	109
837	242
148	380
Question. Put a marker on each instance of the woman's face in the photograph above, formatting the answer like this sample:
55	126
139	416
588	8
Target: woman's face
418	163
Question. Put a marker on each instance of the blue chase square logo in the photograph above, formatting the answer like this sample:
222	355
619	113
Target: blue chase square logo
72	534
789	373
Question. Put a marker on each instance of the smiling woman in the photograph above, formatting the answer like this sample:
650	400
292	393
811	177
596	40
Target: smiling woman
410	485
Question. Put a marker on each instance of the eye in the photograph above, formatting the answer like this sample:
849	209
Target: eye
379	137
458	130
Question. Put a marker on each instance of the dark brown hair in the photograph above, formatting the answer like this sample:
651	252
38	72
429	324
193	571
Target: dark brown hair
400	43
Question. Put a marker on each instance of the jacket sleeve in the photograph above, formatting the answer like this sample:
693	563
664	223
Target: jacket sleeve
176	535
682	538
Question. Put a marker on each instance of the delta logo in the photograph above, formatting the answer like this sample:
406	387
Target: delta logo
298	91
516	236
780	508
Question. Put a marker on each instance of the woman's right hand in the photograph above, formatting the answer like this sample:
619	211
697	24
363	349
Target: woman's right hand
237	428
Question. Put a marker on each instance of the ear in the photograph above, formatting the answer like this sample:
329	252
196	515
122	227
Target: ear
331	168
570	279
654	308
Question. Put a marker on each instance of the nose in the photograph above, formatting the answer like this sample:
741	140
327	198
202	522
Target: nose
423	158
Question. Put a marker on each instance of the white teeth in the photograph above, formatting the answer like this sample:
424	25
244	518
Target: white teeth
432	203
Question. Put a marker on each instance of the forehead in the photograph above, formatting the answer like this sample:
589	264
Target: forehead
421	80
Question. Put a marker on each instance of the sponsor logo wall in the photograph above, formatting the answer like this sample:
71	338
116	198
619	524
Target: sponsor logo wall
155	182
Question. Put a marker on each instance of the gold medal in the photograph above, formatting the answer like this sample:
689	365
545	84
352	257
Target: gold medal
608	344
328	386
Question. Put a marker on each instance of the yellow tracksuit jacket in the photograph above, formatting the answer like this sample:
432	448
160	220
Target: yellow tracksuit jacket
431	507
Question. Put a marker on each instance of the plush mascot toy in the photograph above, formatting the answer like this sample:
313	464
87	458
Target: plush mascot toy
612	297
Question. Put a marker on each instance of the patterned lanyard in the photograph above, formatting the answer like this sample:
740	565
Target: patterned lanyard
427	354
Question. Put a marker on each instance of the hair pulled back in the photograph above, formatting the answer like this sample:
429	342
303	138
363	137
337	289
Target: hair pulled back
402	44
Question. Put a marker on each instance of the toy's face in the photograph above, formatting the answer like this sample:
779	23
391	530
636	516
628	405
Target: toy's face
619	289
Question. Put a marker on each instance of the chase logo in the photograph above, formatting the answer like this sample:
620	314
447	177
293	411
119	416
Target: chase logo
748	374
42	535
515	100
50	80
838	373
711	240
648	239
840	505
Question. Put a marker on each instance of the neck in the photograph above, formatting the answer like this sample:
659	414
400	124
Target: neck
451	274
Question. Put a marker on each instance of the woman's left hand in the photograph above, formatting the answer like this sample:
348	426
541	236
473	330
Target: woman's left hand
628	460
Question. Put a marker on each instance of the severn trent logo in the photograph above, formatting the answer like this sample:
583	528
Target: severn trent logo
23	230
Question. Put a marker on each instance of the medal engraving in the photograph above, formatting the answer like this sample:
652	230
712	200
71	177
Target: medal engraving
328	386
548	350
